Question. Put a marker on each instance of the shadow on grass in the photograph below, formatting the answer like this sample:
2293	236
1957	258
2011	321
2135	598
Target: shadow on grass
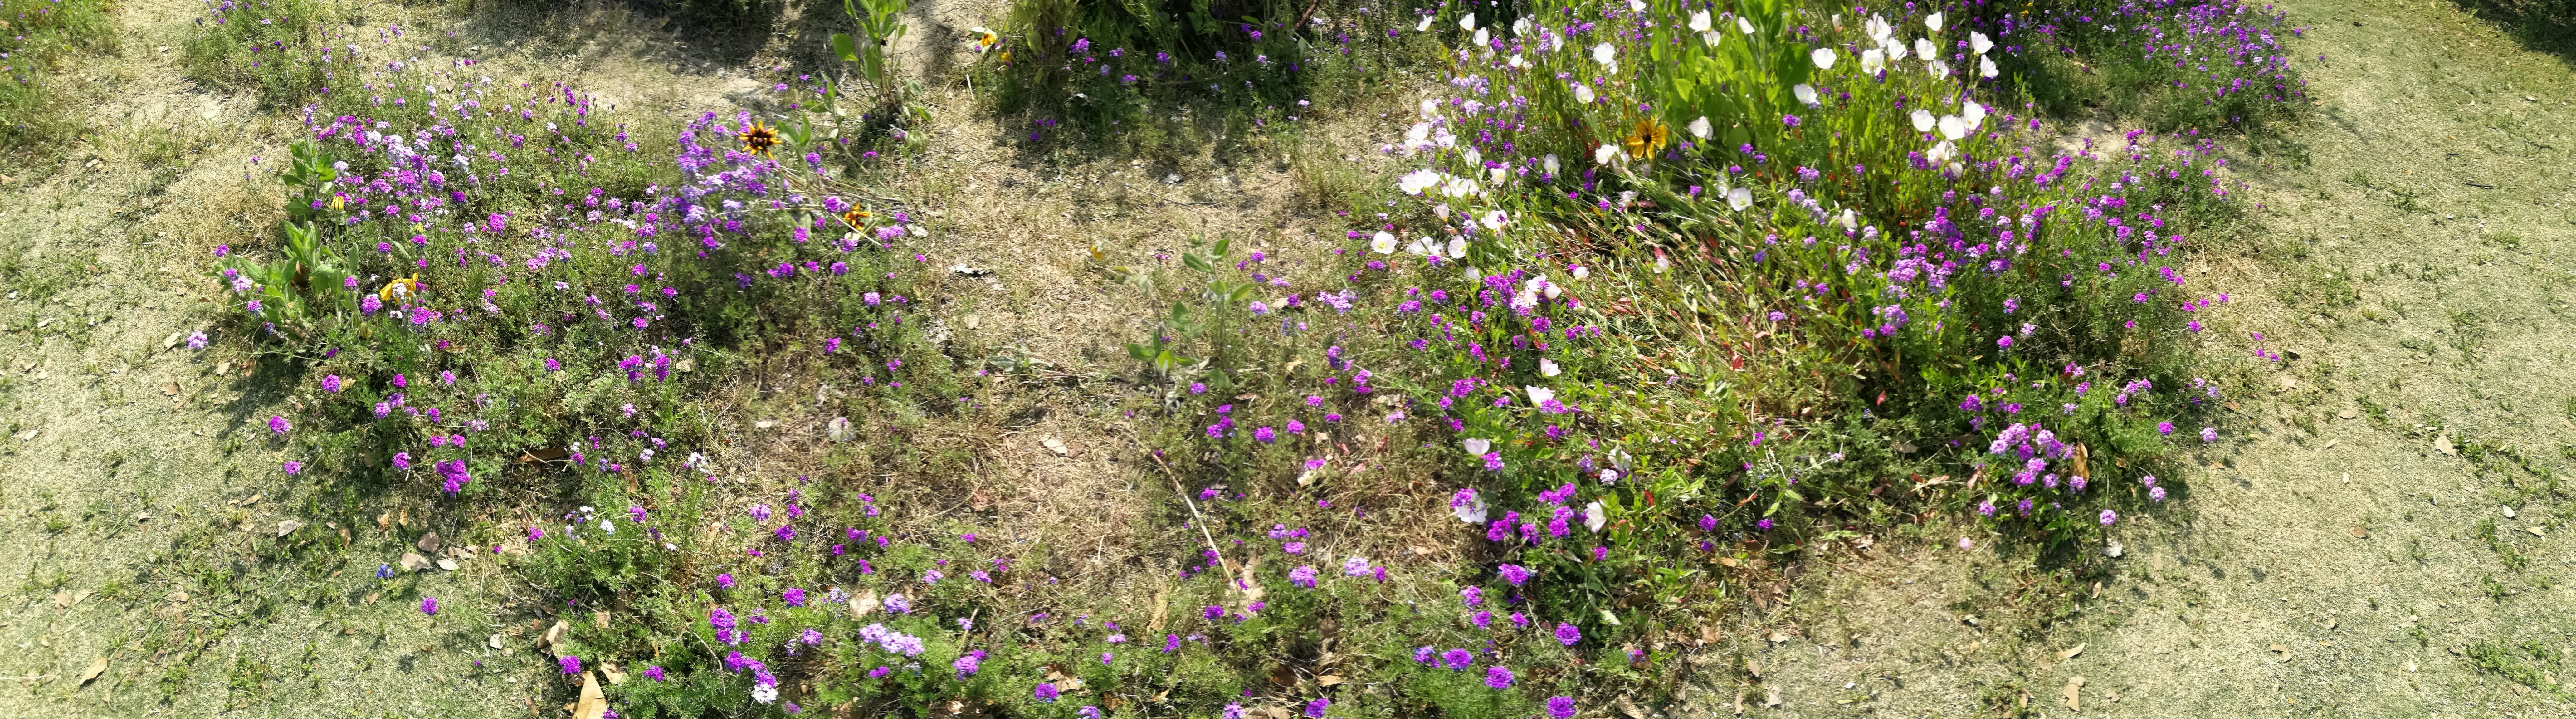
2547	26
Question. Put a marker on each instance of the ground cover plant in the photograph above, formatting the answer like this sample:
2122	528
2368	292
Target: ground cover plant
1667	293
39	35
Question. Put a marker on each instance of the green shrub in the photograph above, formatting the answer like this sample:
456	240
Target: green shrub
36	38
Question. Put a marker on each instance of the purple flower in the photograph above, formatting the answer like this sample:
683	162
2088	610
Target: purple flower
2165	428
1458	659
1560	707
1789	120
1567	634
1472	596
278	425
1046	693
1264	435
1315	709
331	384
1303	576
1515	574
795	597
1764	525
1498	677
725	580
2004	342
967	665
1424	655
571	664
292	467
2209	434
2109	516
653	672
429	606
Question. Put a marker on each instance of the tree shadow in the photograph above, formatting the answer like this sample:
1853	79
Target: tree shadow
731	31
2547	26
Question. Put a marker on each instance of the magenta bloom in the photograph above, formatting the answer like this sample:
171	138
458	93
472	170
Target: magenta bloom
1498	677
795	597
1567	634
653	672
1457	659
429	606
1560	707
1046	693
1514	574
293	467
278	424
571	664
331	384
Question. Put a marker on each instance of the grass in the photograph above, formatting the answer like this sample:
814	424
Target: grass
40	41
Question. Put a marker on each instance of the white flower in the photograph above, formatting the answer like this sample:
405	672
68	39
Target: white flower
1636	5
1482	38
1469	22
1942	153
1922	122
1539	395
1743	24
1710	38
1878	29
605	526
1593	517
1986	67
1494	219
1699	21
1413	183
1605	54
1441	210
1979	43
1583	93
1477	445
1421	246
1457	248
1923	48
1739	198
1895	50
1549	163
1474	157
1461	187
1939	69
1699	128
1601	155
1873	61
1805	94
1850	222
1824	58
1609	476
764	693
1384	243
1548	368
1425	26
1953	127
1521	27
1468	507
1516	61
1933	21
1974	113
1582	272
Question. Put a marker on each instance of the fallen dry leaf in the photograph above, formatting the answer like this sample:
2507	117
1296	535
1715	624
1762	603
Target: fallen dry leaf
864	604
615	675
2348	413
2535	531
428	543
413	562
593	703
2410	665
1771	696
96	667
2283	650
494	641
1753	667
555	634
2442	444
2074	689
600	619
288	527
1328	680
447	564
2360	533
1056	446
2071	652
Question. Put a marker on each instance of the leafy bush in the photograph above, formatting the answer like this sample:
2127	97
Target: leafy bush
2174	64
281	48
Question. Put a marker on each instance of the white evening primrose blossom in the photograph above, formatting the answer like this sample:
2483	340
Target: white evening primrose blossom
1550	163
1521	27
1823	57
1895	50
1922	122
1923	48
1384	243
1430	110
1469	22
1699	128
1593	517
1974	113
1953	127
1457	248
1850	221
1477	445
1517	62
1709	38
1539	395
1547	368
1605	54
1413	183
1744	25
1873	61
1699	21
1979	43
1878	29
1942	153
1468	507
1805	94
1582	93
1940	70
1739	198
1483	38
1601	155
1581	273
1421	246
1636	5
1933	21
1425	26
1494	219
1986	67
1461	187
1474	157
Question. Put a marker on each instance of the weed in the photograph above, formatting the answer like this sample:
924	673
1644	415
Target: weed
41	35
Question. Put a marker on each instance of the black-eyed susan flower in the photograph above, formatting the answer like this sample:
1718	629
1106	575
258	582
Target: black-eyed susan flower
856	219
1649	138
400	288
758	138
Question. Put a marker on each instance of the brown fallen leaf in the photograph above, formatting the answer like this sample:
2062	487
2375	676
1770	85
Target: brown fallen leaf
1753	667
555	634
428	543
600	619
288	527
96	667
2442	444
1771	696
2285	651
615	675
169	390
1056	446
2071	652
2074	690
2360	533
864	604
593	703
2348	413
413	562
1328	680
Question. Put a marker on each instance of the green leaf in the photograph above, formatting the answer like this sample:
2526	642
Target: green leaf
846	47
1193	261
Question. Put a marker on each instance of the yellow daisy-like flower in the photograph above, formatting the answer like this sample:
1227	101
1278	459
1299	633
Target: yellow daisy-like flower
400	288
856	219
1649	138
759	138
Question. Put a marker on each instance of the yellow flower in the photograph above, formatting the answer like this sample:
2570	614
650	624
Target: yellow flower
337	200
857	219
1650	137
400	288
758	138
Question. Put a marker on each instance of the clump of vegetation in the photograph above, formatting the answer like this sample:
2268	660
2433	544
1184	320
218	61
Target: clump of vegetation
36	37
